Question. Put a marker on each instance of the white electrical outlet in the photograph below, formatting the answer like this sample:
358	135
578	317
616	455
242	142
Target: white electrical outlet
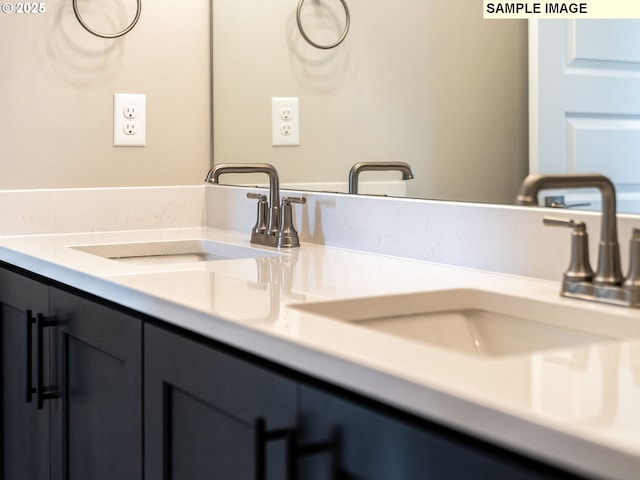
285	121
130	128
129	120
130	111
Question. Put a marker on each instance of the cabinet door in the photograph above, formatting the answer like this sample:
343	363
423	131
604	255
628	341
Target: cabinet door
201	409
97	417
24	436
371	445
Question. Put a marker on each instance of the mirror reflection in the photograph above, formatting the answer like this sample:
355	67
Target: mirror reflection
430	84
471	105
585	107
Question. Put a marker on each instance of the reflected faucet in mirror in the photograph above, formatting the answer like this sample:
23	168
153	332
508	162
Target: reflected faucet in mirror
607	285
274	224
354	173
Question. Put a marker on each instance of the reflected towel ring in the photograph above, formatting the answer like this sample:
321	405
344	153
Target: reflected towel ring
333	45
107	35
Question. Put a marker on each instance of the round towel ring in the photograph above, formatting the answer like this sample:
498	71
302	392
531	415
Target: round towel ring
333	45
107	35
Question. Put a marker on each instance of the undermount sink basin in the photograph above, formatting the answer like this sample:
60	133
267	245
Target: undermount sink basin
172	251
473	322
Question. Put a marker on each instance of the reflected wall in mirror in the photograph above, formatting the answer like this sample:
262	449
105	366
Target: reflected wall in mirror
427	83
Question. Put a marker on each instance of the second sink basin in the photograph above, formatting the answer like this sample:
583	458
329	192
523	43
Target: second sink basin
172	251
473	322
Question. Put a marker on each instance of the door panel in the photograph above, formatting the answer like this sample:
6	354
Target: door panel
25	430
97	427
606	45
374	445
24	433
198	432
201	408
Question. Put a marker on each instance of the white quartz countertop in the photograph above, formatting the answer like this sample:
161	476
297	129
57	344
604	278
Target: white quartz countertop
577	407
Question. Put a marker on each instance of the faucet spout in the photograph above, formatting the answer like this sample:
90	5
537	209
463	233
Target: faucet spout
609	271
354	173
274	182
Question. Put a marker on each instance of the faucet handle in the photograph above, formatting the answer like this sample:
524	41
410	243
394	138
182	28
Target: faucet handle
287	234
579	267
260	228
300	200
560	222
631	285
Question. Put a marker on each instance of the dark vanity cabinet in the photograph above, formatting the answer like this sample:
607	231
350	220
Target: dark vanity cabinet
74	377
71	385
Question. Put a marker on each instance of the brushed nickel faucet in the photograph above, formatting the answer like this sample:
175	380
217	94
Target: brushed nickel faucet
274	225
354	173
607	284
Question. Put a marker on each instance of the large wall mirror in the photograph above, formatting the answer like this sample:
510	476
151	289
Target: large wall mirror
427	83
432	84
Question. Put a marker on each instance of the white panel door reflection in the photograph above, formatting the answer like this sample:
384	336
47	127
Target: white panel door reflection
585	103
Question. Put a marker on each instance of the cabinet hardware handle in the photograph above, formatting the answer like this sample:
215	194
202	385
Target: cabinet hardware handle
30	388
262	436
43	393
294	451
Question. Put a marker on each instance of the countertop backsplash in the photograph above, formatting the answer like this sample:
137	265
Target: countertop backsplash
497	238
51	211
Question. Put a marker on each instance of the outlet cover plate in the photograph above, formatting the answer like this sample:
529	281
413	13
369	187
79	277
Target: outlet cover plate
129	120
285	121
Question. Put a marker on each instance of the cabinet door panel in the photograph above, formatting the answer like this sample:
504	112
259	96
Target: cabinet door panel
24	433
25	430
201	406
97	421
377	446
193	419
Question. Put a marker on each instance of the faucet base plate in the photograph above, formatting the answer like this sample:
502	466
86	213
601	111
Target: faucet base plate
623	296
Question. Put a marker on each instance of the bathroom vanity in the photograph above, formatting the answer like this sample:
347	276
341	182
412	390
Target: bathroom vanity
288	364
